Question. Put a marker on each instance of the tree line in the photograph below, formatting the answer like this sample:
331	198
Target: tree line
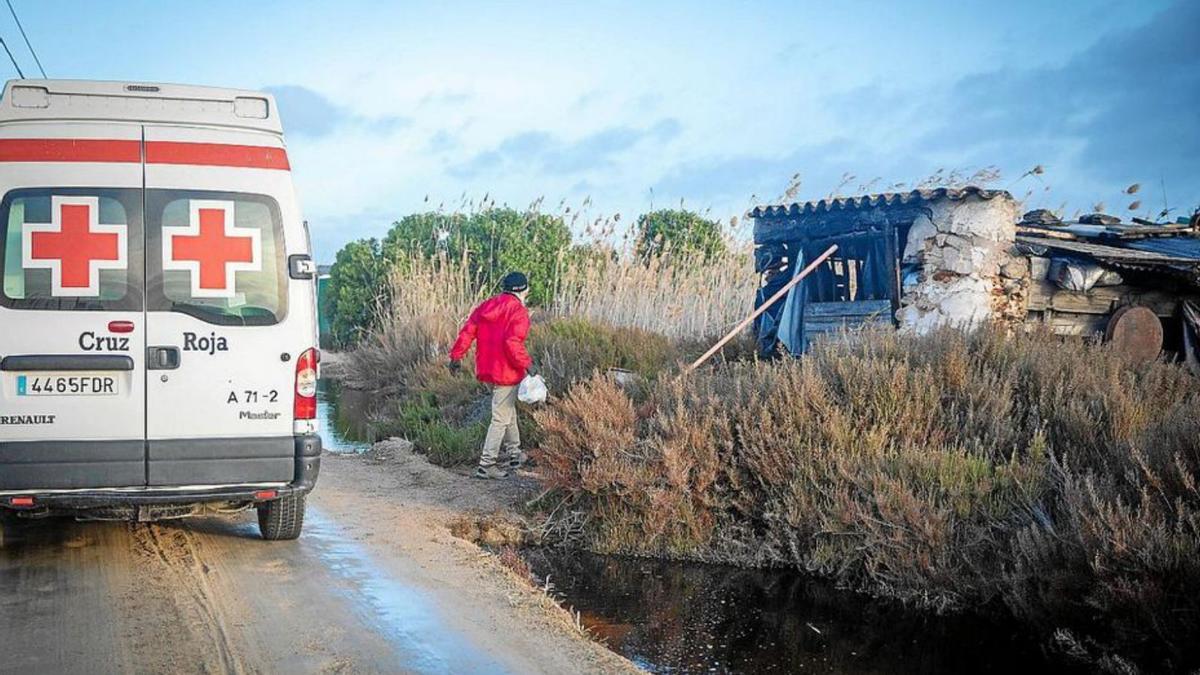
490	243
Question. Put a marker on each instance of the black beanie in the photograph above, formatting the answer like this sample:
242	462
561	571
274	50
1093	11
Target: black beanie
515	282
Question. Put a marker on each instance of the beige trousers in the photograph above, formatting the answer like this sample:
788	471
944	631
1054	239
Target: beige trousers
502	433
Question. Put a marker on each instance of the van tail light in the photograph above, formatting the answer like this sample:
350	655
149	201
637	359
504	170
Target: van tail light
306	385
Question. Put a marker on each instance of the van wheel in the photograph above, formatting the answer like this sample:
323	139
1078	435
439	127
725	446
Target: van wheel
281	519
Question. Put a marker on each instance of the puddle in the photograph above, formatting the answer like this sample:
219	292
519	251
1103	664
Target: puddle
342	414
406	615
672	617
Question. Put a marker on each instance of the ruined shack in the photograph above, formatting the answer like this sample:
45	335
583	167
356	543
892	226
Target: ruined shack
962	257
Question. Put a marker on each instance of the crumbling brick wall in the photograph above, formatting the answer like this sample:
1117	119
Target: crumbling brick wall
967	275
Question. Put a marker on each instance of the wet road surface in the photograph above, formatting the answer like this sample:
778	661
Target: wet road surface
207	595
376	583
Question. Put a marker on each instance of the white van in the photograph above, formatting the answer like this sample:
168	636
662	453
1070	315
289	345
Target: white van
158	333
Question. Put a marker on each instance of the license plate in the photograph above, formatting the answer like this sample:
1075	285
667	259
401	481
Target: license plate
80	384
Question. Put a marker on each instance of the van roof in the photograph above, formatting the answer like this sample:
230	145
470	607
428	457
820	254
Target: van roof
82	100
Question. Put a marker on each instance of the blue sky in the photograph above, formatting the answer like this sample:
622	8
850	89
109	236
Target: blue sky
644	104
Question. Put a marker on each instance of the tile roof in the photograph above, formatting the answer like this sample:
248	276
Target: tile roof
882	200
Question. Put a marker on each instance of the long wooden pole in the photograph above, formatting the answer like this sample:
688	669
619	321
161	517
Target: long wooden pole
762	308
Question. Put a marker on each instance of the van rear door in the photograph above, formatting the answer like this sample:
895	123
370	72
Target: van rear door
224	325
72	328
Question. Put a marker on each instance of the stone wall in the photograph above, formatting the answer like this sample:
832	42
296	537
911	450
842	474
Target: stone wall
967	274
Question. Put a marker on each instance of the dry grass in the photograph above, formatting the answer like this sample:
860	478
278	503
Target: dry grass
402	361
680	297
429	301
949	472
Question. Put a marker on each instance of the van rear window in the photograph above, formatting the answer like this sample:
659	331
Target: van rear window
217	256
71	249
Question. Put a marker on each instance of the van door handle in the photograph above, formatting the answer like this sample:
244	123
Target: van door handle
162	358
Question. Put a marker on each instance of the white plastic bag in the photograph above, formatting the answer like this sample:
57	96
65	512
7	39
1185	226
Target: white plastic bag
532	389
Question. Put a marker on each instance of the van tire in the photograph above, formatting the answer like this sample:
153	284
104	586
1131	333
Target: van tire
281	519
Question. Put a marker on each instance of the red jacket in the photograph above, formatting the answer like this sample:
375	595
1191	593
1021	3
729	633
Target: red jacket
499	325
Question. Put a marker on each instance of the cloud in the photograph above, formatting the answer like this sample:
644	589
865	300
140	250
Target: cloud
446	99
304	111
734	182
1121	111
587	100
1125	108
307	113
546	152
442	141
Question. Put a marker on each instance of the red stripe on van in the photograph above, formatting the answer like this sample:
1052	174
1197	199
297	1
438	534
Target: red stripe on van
216	154
69	150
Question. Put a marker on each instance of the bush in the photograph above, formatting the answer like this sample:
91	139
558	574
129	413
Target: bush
430	299
487	245
445	415
493	242
949	472
569	350
679	232
357	286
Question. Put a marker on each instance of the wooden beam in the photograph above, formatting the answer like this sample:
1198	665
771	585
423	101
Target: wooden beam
762	308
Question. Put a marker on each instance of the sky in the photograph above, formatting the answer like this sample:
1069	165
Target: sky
619	107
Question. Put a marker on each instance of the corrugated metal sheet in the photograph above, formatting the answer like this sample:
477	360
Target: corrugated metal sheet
1116	254
874	201
1179	247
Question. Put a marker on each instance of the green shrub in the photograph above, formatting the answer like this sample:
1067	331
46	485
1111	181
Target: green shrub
493	241
357	288
569	350
487	245
681	233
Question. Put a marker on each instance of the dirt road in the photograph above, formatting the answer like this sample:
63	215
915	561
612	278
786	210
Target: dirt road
375	584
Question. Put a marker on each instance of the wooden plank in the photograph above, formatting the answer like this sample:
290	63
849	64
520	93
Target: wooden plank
892	242
1078	325
816	311
1105	299
1040	292
834	324
1082	303
1143	230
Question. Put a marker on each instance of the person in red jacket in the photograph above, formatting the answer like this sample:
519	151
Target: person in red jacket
498	327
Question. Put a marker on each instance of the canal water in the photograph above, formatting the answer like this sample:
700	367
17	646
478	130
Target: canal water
344	424
672	617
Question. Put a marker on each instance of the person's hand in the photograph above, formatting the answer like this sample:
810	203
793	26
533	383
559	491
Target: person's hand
454	366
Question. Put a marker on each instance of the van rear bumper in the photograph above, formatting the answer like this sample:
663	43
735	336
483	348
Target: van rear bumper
307	468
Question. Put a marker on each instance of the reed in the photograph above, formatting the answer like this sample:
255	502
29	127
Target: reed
678	296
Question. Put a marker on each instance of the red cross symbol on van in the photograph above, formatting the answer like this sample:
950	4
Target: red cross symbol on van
212	248
74	246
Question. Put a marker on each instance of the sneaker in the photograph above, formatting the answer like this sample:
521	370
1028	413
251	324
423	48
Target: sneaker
491	472
517	460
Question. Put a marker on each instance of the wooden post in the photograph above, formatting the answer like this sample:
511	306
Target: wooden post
762	308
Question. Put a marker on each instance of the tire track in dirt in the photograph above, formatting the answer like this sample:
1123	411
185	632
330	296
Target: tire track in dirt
171	561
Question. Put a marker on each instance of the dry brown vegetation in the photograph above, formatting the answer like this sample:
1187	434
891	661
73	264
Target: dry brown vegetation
951	471
581	332
682	299
956	472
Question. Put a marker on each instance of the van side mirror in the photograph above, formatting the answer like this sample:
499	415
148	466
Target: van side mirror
301	266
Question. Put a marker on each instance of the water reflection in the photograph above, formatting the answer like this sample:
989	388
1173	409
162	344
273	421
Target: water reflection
676	617
343	419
